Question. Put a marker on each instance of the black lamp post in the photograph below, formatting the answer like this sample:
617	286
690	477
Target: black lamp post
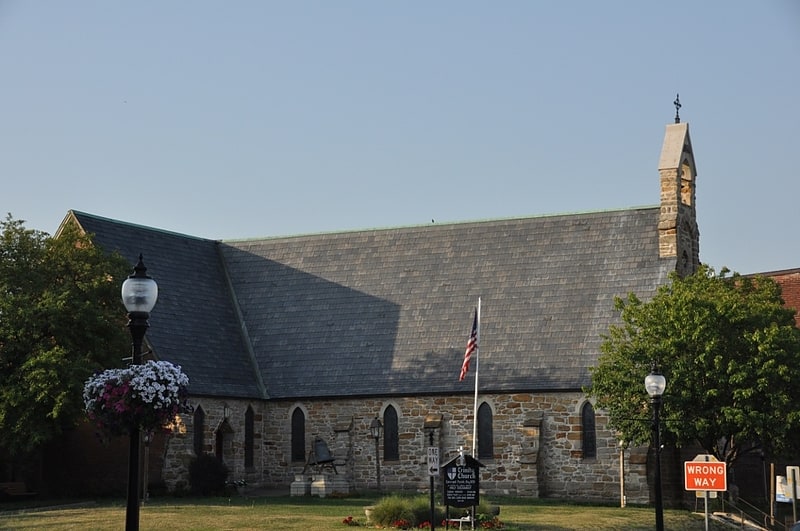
139	294
655	383
375	429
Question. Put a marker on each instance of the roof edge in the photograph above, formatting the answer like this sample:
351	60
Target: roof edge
437	224
76	213
542	389
777	272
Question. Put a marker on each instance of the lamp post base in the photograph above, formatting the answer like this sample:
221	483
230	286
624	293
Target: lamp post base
132	510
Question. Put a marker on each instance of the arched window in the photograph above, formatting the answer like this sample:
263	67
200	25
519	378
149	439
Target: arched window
485	432
687	183
391	435
298	435
249	435
589	435
219	443
199	425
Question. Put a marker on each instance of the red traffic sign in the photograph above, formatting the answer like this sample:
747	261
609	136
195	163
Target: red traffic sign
705	475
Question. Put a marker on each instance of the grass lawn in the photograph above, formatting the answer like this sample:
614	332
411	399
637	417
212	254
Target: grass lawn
303	514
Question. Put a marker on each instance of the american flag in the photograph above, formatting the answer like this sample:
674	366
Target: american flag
472	346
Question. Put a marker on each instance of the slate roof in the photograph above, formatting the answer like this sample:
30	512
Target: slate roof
387	312
193	323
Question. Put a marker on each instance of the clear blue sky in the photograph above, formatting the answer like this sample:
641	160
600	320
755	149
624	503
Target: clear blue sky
258	118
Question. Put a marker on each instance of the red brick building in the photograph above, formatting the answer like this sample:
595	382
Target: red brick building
789	280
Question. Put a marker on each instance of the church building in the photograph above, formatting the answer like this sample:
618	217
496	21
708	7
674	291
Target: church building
289	341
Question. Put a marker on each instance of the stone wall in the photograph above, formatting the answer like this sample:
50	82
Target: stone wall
537	444
179	451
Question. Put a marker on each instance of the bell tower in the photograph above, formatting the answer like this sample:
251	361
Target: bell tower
678	235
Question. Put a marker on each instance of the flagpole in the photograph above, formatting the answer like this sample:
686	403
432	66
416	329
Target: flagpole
477	368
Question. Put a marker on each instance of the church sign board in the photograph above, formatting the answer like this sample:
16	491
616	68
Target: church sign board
461	482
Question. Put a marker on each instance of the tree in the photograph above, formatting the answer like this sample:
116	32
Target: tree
730	352
61	320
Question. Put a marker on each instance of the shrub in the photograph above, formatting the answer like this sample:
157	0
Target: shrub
396	510
207	475
391	509
181	490
485	508
421	509
157	488
485	515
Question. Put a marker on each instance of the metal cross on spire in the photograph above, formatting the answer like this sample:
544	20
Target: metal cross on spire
677	104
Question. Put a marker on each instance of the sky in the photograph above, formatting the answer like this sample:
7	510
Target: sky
243	119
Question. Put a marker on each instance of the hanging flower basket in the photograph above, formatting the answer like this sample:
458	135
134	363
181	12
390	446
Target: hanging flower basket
147	397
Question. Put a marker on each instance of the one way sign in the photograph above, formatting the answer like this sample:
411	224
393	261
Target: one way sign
705	473
433	461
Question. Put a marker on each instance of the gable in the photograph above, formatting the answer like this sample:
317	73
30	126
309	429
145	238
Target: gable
193	323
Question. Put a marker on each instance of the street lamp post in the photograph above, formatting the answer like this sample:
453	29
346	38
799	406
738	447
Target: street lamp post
655	383
375	429
139	294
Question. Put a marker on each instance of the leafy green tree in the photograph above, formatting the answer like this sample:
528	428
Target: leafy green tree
61	319
730	353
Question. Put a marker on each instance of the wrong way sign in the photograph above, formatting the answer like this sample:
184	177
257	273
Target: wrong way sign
705	474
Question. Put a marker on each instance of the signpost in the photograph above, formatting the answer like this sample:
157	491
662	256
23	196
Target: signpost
433	461
705	474
433	471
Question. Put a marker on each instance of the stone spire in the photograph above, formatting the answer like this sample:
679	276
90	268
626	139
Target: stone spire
678	235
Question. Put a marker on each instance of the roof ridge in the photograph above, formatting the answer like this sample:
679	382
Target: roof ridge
443	223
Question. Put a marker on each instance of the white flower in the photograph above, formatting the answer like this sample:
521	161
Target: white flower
158	386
